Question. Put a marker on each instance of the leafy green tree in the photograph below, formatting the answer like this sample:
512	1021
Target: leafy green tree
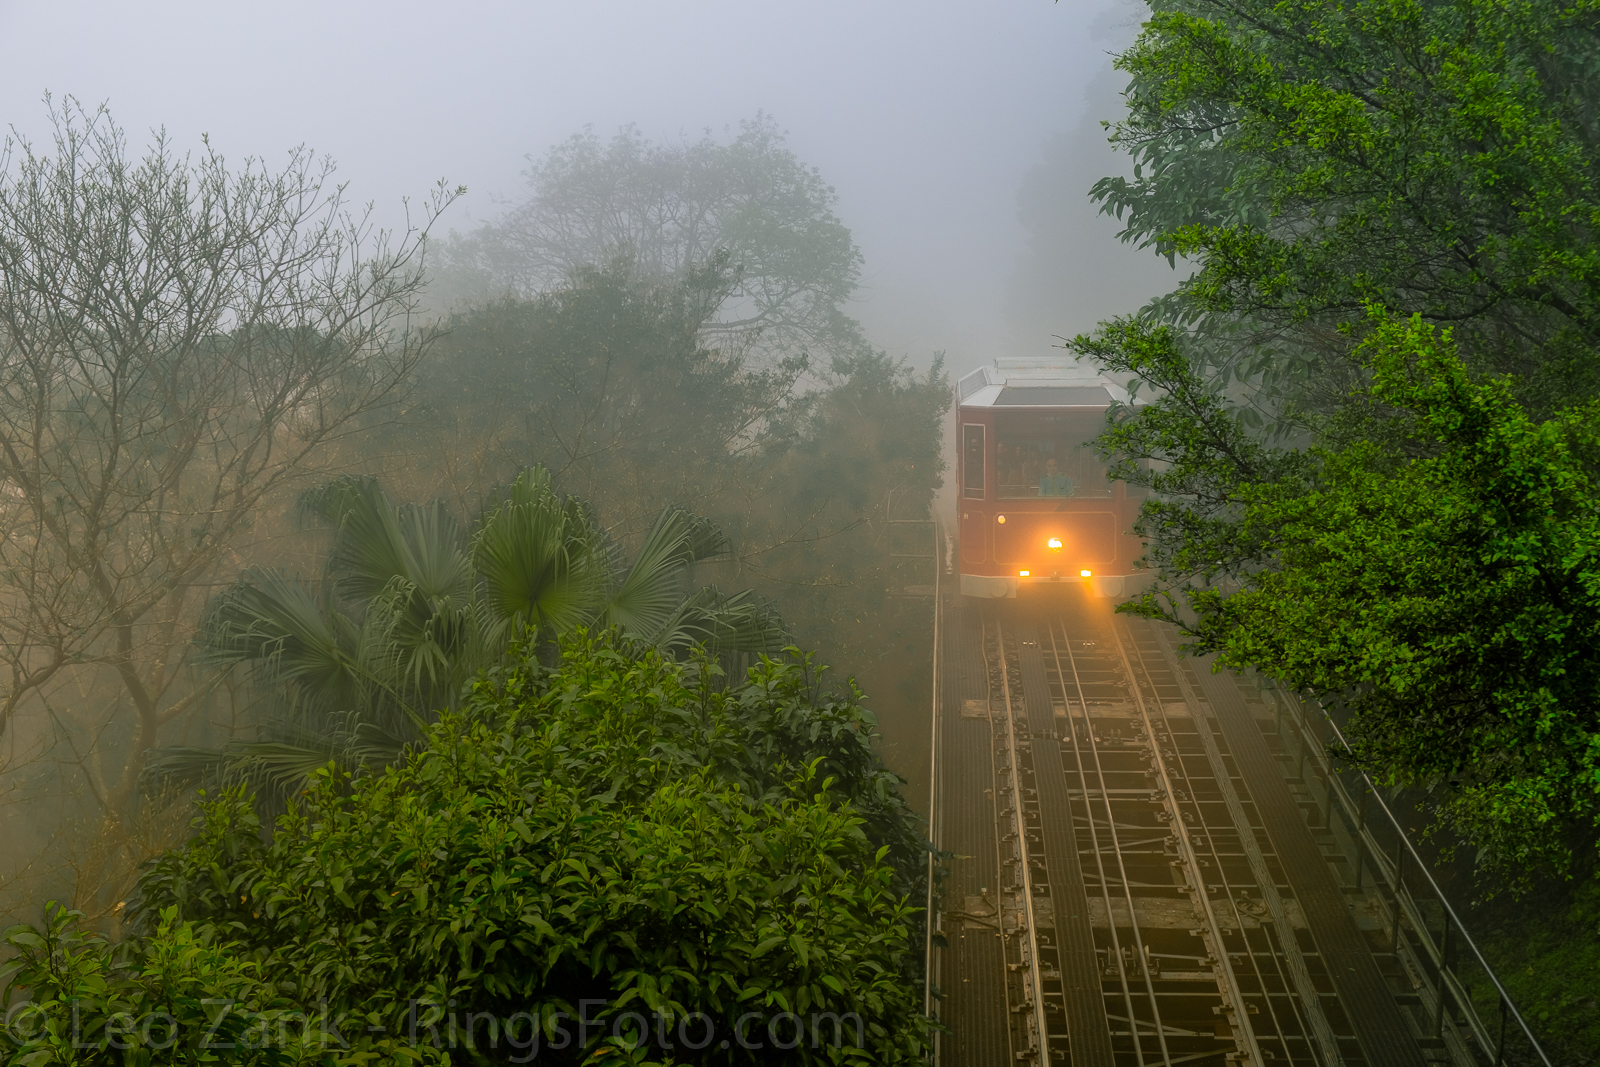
1326	165
674	209
1315	156
1451	599
411	608
612	829
178	997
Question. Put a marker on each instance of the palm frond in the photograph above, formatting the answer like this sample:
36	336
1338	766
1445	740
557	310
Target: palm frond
722	624
277	621
653	587
274	770
376	541
541	558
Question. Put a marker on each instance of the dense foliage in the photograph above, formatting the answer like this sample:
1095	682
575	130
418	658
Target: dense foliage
1546	949
1397	519
411	606
1314	156
1451	600
607	380
610	835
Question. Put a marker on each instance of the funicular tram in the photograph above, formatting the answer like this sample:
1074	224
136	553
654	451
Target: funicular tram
1034	505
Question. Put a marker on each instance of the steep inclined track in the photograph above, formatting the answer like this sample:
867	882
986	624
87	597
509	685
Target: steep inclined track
1132	882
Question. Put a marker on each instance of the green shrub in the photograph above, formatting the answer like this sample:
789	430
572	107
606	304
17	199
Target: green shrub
612	835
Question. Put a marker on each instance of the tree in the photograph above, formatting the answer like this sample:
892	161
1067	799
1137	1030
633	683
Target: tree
608	381
614	830
411	608
1328	166
1450	600
1320	155
177	342
674	209
819	533
178	997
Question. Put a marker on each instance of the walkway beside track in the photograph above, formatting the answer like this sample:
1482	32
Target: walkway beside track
1385	1039
968	972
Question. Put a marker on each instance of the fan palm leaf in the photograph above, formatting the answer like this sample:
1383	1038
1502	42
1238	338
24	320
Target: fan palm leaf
653	587
277	621
541	558
410	610
720	623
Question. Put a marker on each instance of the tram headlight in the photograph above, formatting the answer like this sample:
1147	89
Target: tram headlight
1086	573
1055	543
1022	574
1001	519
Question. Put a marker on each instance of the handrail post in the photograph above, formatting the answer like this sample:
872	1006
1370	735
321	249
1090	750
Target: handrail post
1500	1049
1399	881
1300	742
1361	832
1444	989
1327	779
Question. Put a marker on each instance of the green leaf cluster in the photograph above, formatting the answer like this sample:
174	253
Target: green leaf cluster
1451	600
613	828
180	997
1314	156
411	607
1395	518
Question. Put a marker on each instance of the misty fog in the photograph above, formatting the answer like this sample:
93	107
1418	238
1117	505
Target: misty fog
960	138
956	143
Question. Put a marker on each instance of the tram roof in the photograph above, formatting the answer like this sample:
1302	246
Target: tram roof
1032	383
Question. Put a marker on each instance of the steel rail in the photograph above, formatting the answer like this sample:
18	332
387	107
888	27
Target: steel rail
1263	882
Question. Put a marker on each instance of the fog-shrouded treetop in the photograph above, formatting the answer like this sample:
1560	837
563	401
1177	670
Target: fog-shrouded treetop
672	208
180	338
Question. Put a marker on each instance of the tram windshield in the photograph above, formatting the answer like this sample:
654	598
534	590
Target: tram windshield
1047	455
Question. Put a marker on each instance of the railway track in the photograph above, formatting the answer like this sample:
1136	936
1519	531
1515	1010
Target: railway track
1131	909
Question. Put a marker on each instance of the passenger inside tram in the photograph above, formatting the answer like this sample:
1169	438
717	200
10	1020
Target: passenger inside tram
1049	456
1053	482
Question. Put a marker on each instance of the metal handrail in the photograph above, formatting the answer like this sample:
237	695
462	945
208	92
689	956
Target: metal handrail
1395	878
933	794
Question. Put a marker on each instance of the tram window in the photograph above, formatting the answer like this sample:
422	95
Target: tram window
1047	455
972	460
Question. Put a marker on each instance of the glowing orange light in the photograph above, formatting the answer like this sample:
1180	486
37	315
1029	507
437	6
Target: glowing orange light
1001	520
1054	542
1085	574
1022	574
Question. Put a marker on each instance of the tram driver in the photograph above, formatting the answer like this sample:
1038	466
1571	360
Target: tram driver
1053	482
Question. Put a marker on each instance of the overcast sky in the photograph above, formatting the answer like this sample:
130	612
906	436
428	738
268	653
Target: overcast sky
928	118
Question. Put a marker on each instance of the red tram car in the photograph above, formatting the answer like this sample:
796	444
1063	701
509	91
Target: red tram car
1034	504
